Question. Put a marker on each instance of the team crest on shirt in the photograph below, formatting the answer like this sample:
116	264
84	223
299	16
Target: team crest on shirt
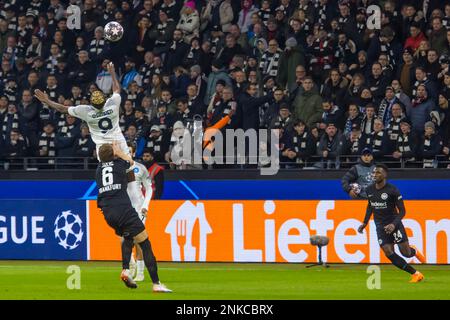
136	170
384	196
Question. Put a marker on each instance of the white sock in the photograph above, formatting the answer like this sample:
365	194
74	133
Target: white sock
140	266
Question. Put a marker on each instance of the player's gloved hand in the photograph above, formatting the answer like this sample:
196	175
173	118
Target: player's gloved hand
389	228
353	194
361	227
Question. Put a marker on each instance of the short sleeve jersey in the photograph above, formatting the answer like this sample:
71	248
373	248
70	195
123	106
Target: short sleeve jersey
103	124
112	183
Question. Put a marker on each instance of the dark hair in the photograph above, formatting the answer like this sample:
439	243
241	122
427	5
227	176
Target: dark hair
382	166
106	153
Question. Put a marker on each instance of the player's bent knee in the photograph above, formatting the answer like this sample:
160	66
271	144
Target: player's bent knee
141	237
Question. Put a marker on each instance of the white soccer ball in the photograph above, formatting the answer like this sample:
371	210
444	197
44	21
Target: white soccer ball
356	188
113	31
68	230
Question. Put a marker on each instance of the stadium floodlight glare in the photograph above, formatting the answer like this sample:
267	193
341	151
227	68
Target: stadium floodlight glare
319	241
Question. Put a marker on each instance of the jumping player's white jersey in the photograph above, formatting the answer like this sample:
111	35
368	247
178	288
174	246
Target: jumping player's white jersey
103	124
143	179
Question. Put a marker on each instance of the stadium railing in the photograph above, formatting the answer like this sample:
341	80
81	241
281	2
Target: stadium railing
311	163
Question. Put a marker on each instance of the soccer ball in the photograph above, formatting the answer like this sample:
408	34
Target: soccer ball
68	230
113	31
356	188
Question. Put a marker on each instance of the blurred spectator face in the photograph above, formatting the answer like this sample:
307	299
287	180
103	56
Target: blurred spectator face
133	87
105	64
146	103
334	75
138	114
344	10
353	111
432	56
38	63
420	75
163	17
34	40
128	106
166	96
11	41
390	94
93	87
410	11
148	57
278	95
307	84
357	80
383	60
366	94
61	65
378	125
443	102
162	108
240	76
62	24
157	63
83	57
376	70
414	31
326	106
12	109
6	66
448	36
182	106
437	24
429	131
265	5
98	33
131	131
70	120
144	23
156	80
129	65
300	128
177	35
206	46
370	112
192	91
331	130
85	131
76	91
407	58
148	5
254	19
67	103
342	39
396	111
22	21
48	129
253	77
271	25
3	103
252	90
89	4
424	45
14	136
58	37
227	94
26	96
447	80
51	81
118	16
54	49
230	41
80	42
405	128
362	59
273	46
252	62
110	5
3	25
421	92
296	25
284	113
300	72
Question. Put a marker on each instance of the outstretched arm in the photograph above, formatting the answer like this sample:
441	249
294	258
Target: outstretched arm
43	97
119	153
115	82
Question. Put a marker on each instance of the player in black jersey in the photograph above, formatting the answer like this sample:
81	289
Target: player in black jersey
120	215
386	203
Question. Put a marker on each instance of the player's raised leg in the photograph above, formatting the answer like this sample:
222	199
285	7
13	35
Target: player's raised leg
409	252
150	262
400	263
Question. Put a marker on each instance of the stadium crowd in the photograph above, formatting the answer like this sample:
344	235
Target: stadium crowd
315	70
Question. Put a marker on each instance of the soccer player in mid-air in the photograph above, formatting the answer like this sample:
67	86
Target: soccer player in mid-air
386	203
120	215
102	117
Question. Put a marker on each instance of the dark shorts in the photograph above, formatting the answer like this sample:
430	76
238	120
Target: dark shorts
397	236
124	220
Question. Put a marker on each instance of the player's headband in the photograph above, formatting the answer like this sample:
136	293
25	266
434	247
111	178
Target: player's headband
97	99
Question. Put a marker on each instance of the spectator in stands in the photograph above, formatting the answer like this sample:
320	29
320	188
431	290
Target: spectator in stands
156	173
47	143
330	147
15	146
189	22
84	146
308	104
407	142
430	146
419	112
66	137
354	119
157	143
393	127
353	143
29	111
378	141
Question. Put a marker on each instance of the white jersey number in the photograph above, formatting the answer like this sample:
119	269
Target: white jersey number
107	176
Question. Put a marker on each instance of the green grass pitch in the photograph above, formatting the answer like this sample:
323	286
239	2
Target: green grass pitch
214	281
